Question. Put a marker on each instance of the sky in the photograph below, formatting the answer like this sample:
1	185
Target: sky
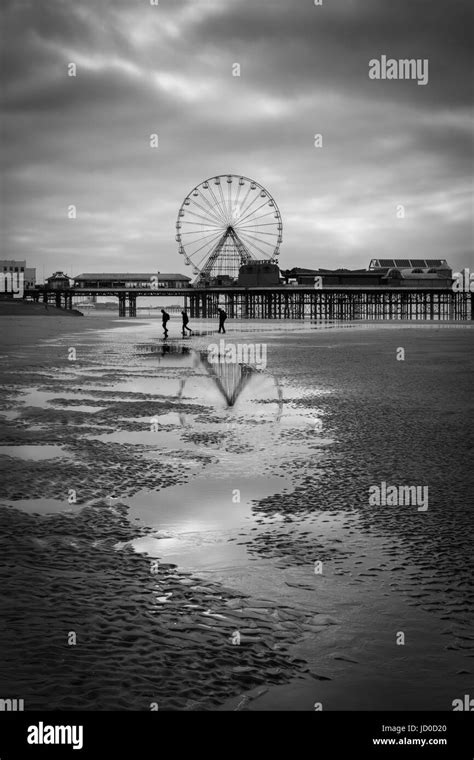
392	178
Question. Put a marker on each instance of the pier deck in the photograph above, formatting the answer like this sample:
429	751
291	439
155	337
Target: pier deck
287	302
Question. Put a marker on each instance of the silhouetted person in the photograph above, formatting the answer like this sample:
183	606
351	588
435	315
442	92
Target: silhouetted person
222	319
185	323
165	320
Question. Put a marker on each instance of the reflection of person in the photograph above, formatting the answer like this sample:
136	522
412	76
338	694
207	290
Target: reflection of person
222	319
185	323
165	319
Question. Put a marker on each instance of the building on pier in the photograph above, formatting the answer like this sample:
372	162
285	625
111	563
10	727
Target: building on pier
345	301
382	273
131	280
424	264
58	281
259	274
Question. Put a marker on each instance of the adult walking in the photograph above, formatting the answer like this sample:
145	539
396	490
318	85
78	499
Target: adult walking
165	320
185	323
222	319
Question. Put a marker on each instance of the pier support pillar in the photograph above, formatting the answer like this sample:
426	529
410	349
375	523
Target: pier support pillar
132	305
122	305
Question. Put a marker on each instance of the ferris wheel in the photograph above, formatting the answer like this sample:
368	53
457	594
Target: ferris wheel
227	221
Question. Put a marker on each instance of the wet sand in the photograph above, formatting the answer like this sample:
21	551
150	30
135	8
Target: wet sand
144	515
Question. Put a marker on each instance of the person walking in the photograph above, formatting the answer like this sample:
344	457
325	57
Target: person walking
222	319
185	323
165	320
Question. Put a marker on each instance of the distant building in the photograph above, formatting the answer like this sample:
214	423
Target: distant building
58	281
30	277
12	265
140	280
16	267
258	274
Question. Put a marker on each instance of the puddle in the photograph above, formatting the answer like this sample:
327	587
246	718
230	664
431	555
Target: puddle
79	408
169	418
44	399
158	386
10	414
35	397
301	419
162	439
196	520
191	551
203	504
37	453
43	506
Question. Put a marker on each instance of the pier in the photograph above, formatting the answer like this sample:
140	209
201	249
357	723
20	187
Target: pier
286	302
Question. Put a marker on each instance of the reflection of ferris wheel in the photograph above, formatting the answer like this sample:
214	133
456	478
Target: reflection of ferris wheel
234	382
227	221
199	379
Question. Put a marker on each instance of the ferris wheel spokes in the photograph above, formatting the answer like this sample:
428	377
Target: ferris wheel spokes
248	213
218	221
211	207
265	254
214	238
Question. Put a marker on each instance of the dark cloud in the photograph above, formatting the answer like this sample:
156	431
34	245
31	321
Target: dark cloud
300	45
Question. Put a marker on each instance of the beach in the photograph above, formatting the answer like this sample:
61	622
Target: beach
179	534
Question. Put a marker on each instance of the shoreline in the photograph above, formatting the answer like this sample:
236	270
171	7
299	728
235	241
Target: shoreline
19	308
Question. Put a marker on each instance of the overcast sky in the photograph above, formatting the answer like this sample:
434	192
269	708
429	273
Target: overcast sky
167	69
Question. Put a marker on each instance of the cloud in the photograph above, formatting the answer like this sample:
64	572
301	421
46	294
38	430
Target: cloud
167	69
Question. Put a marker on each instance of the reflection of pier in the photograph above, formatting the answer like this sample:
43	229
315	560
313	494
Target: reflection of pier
288	302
